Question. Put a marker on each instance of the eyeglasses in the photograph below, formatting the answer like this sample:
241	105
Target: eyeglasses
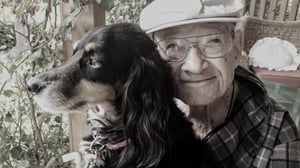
211	46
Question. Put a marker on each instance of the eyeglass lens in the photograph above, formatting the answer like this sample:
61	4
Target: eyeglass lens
211	46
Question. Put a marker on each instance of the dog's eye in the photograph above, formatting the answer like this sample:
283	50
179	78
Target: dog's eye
91	62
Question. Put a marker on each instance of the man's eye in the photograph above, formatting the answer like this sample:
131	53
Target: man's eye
171	46
215	40
171	49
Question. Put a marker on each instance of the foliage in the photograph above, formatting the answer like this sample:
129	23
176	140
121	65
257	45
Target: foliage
29	137
124	10
30	44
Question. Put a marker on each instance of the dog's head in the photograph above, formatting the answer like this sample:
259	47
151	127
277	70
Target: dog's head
99	67
118	63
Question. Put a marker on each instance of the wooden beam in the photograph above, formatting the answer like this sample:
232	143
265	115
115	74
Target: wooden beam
65	10
294	10
98	14
272	9
85	21
252	8
262	9
282	11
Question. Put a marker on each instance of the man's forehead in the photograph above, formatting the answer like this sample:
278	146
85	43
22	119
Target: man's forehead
196	29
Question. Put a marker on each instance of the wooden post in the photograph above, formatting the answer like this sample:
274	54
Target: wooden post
261	11
86	20
294	10
268	9
283	10
252	7
272	9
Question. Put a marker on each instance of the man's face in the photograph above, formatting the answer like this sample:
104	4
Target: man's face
204	69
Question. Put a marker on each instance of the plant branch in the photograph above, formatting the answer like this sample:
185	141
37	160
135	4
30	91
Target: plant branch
2	87
22	34
4	66
19	124
47	14
35	123
9	164
55	15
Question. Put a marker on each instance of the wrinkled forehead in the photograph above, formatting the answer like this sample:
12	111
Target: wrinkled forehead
196	29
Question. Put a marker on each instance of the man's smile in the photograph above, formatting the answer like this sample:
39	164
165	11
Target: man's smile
195	80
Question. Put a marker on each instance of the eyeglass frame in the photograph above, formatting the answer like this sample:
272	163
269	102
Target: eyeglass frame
192	44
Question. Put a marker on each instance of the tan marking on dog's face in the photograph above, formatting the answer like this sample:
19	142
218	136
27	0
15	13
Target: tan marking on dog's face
87	94
94	93
90	46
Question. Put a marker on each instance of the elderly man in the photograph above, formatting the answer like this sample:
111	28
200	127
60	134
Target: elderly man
228	105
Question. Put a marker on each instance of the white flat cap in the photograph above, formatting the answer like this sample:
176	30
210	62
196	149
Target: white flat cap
161	14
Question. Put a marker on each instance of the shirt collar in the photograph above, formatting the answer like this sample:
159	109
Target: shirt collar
247	124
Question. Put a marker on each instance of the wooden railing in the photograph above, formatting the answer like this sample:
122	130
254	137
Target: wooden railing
85	21
281	10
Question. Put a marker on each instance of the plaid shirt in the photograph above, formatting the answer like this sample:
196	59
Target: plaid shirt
258	132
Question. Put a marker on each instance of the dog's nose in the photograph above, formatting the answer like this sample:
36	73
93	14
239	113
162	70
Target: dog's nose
35	86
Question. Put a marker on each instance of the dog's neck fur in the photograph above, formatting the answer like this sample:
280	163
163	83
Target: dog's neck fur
107	132
102	114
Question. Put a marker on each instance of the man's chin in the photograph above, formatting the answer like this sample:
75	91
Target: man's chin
194	95
196	98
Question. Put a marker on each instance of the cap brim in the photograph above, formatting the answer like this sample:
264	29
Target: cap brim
179	23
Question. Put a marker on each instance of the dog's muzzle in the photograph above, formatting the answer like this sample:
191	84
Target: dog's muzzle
35	85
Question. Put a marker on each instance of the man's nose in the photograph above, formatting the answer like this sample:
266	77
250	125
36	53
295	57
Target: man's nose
194	62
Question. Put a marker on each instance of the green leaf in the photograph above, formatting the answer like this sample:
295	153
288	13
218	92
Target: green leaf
5	166
19	57
15	152
23	164
5	151
107	4
44	118
57	119
12	69
8	93
3	47
37	53
8	115
117	11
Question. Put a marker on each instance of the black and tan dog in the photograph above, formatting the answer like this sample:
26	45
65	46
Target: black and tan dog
118	71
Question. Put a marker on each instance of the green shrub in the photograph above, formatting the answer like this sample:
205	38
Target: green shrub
29	137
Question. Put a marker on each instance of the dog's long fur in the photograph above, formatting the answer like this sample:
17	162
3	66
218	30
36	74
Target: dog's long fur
119	68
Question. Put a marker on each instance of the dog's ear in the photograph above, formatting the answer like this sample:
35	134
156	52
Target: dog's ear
147	95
